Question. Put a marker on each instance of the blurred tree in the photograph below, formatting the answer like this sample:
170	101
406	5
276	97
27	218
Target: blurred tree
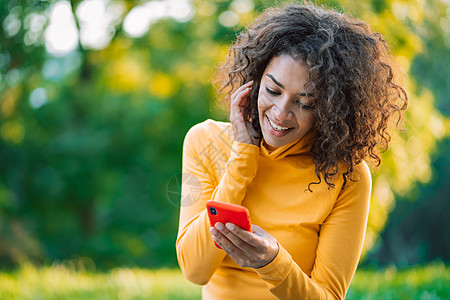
18	60
94	112
418	228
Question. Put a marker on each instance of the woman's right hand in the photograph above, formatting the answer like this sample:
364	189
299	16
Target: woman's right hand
242	129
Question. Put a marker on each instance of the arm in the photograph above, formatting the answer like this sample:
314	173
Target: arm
197	255
337	255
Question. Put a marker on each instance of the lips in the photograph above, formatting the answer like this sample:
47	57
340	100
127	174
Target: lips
278	127
276	130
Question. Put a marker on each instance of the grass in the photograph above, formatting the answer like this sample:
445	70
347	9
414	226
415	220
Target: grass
428	282
68	282
63	282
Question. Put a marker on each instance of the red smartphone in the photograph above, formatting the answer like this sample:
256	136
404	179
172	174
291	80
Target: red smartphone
225	212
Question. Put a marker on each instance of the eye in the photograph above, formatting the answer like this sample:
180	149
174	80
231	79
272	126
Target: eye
303	106
272	92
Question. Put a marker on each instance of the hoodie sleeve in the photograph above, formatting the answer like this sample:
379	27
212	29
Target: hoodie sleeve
341	239
197	255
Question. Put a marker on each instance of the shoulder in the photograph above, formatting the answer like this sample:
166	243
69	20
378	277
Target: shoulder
208	127
362	174
360	181
209	131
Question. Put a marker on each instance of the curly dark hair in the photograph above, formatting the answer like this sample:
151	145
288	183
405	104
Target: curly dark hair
351	74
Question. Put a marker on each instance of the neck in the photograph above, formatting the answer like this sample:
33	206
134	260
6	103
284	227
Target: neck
271	148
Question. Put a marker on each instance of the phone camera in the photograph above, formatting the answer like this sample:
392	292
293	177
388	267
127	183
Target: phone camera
213	210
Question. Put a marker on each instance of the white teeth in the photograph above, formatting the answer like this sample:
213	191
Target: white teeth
276	127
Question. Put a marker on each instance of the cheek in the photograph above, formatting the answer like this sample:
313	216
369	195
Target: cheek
310	120
305	120
263	103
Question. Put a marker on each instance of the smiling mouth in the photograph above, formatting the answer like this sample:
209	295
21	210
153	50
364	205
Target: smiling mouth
276	127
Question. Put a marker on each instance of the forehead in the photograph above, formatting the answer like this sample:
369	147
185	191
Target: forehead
288	71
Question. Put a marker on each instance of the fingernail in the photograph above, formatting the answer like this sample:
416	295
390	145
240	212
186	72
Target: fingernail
230	226
213	230
219	226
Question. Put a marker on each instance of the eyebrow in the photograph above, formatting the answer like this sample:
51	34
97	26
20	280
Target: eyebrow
282	86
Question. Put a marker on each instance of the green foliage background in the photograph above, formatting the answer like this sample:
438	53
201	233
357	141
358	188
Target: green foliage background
87	174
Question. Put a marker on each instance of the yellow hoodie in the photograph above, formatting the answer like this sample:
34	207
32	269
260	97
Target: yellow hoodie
320	234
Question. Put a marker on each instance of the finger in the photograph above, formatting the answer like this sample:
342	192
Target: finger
237	104
217	235
234	252
241	98
241	88
244	235
245	99
233	238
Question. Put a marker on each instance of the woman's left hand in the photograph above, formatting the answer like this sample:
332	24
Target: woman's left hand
248	249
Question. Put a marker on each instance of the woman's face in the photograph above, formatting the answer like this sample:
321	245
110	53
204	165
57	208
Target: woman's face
284	113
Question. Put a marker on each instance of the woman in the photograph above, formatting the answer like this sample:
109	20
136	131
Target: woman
312	93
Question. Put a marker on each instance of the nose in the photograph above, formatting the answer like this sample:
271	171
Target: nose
283	110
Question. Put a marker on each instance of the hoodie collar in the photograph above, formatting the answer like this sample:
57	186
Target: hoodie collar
301	146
